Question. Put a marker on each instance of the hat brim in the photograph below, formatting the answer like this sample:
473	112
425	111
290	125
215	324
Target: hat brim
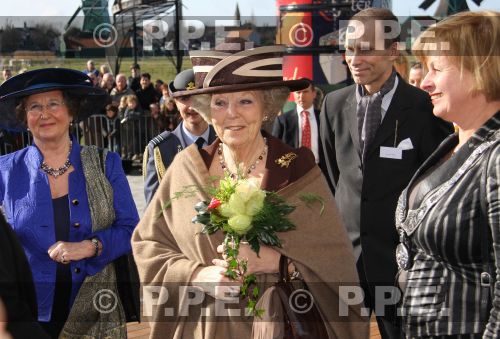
80	90
171	88
92	101
293	85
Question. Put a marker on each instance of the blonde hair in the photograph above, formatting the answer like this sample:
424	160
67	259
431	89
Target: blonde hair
273	99
132	99
402	65
471	41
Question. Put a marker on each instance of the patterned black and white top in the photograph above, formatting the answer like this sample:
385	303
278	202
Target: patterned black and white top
442	295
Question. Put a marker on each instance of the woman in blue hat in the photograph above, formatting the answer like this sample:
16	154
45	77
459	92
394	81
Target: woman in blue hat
70	205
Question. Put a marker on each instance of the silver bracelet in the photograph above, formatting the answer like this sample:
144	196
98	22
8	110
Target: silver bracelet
95	241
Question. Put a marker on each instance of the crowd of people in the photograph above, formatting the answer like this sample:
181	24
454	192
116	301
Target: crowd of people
394	182
142	111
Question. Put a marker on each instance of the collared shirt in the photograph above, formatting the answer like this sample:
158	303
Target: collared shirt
314	129
190	138
386	100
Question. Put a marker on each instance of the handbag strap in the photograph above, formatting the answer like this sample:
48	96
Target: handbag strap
284	268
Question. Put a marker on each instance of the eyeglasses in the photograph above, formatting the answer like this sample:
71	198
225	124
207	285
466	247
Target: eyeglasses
37	108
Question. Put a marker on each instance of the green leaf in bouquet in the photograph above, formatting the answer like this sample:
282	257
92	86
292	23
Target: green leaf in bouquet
244	266
259	312
310	198
201	206
250	279
231	274
265	238
275	241
254	244
204	218
233	263
255	292
251	305
243	290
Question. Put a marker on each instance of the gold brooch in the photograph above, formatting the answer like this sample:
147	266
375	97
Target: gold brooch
285	160
190	86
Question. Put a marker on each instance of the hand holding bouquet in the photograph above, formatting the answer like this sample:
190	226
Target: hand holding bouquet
244	212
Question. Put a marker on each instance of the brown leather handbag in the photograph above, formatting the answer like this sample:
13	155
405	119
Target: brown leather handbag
300	321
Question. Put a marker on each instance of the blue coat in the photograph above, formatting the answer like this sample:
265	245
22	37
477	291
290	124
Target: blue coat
27	202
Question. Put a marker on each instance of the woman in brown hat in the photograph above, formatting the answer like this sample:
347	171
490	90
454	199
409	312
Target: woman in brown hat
237	92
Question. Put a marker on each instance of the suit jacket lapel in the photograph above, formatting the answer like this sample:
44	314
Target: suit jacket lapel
350	111
320	148
293	123
394	113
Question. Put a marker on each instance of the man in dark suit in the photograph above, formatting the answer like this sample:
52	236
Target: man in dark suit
375	135
290	126
162	149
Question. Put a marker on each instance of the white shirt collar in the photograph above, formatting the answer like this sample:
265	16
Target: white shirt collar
300	109
386	100
192	138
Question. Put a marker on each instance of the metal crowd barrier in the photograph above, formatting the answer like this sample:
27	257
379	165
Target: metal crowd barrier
128	138
13	140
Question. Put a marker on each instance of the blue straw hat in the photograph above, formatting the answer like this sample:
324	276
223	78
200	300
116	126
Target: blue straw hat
75	83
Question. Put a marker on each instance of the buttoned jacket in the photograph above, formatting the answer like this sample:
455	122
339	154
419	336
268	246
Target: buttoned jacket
27	203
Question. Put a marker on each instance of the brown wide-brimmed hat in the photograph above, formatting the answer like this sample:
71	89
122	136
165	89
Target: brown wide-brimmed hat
232	71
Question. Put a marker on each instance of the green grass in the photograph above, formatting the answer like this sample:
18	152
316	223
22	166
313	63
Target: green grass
159	67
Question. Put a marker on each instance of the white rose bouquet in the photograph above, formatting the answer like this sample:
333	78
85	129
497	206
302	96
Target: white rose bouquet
244	212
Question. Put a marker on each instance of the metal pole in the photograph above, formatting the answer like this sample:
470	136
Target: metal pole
134	29
177	45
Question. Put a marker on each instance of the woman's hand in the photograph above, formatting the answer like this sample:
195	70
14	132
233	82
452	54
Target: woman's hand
212	281
4	334
267	261
65	252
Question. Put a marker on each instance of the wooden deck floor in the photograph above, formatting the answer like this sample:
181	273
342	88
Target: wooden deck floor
138	331
141	331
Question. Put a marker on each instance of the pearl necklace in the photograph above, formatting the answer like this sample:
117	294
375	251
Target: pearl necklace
55	172
250	168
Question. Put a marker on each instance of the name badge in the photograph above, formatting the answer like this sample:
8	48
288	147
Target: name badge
391	152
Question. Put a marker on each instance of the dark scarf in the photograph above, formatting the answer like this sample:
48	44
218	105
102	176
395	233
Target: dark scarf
369	113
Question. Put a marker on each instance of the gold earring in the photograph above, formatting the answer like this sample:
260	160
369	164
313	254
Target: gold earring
265	118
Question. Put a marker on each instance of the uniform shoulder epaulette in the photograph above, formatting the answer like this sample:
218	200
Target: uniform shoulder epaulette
159	138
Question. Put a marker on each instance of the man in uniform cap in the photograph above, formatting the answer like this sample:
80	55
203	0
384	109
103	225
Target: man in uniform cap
162	149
